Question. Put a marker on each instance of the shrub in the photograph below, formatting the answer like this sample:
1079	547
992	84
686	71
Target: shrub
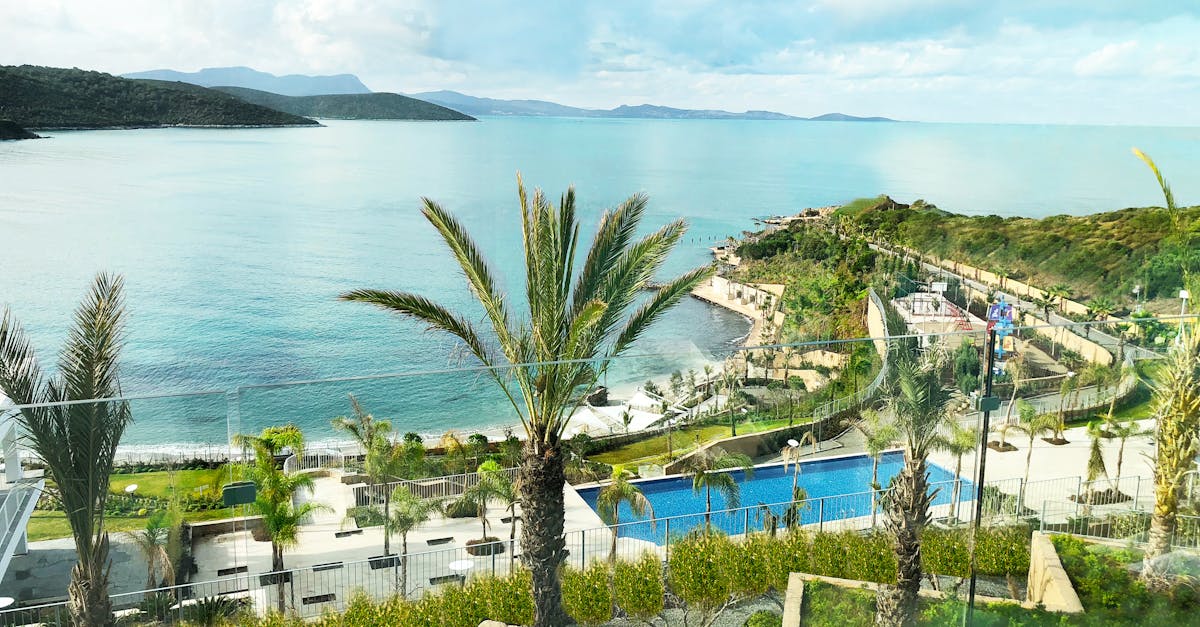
870	557
699	573
827	555
587	594
946	552
485	546
1003	550
764	618
638	587
213	611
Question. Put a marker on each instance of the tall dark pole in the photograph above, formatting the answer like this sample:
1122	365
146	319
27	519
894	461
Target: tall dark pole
987	403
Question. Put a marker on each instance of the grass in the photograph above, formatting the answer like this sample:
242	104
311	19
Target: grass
50	525
654	449
159	483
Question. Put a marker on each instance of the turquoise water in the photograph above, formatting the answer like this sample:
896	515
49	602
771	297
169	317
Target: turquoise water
843	484
234	243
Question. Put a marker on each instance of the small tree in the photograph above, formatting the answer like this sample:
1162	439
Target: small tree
709	470
152	543
380	459
408	514
1032	425
1095	463
958	442
1123	431
610	498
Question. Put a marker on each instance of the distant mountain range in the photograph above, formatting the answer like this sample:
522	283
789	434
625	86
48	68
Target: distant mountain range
37	97
371	106
491	106
290	85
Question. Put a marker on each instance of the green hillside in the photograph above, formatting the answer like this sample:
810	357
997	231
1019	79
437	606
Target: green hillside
1102	254
42	97
375	106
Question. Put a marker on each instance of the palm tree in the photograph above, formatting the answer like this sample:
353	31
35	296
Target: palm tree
76	442
1032	425
152	542
577	322
879	435
1123	431
1095	463
708	467
382	458
731	381
1016	372
958	442
708	370
275	491
1176	406
920	404
409	513
1060	292
1102	307
610	498
1044	302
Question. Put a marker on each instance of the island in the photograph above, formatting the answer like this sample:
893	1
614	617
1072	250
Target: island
36	97
370	106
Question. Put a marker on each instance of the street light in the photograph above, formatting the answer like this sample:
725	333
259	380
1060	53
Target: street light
1137	297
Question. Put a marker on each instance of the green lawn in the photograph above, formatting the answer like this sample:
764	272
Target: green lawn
159	483
654	449
48	525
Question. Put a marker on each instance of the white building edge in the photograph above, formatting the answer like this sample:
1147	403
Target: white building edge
18	494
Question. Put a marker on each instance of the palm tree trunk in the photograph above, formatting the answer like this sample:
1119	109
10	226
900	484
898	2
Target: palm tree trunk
957	488
277	566
404	565
1162	526
874	488
387	518
707	507
1120	459
908	513
88	602
612	555
542	542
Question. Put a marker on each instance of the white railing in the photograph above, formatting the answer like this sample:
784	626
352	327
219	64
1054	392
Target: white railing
429	488
315	459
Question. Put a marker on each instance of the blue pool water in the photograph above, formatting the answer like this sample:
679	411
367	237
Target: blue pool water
845	481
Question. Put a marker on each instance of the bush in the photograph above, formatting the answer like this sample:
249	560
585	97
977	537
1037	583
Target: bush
365	516
587	594
485	546
764	618
699	573
638	587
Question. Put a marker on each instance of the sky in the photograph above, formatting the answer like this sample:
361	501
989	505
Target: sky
1020	61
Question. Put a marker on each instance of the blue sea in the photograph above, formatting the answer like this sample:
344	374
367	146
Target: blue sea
234	243
837	489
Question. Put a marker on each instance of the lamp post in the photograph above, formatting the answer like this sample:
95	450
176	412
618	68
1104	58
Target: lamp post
1137	298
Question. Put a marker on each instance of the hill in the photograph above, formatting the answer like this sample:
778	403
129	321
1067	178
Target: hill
473	105
43	97
1097	255
10	130
373	106
842	117
289	85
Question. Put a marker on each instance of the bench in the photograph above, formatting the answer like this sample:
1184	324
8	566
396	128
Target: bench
347	533
320	598
231	571
383	561
437	541
435	581
329	566
271	579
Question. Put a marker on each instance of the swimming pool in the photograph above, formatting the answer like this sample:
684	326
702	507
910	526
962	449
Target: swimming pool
837	489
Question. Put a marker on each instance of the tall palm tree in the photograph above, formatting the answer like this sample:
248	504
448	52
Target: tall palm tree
920	404
152	543
1044	302
610	498
1095	464
76	442
577	322
382	458
1015	368
730	382
1032	425
275	491
958	441
408	514
879	435
1176	405
709	470
1123	431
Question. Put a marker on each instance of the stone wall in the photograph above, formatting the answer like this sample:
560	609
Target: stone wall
1048	582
